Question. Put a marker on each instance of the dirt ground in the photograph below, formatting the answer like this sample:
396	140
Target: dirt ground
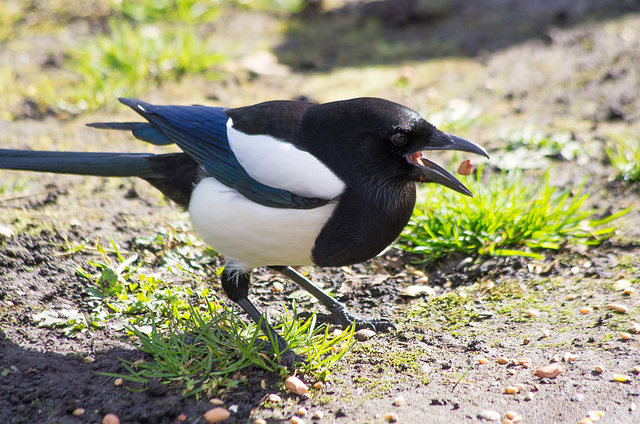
562	66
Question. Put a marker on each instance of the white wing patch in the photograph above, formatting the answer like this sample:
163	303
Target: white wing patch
250	235
280	164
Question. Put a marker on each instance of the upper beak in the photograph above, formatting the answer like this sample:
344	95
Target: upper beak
452	142
429	171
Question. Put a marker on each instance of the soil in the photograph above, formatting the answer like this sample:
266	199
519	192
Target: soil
558	65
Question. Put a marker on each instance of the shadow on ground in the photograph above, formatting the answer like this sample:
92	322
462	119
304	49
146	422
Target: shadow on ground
394	31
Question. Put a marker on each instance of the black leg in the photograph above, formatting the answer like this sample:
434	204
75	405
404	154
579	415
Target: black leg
338	313
236	286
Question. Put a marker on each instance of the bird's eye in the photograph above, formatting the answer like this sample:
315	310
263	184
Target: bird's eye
399	138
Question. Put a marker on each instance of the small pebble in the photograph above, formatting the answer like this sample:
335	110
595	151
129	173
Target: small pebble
118	382
483	361
578	397
570	357
78	411
617	307
634	327
296	420
599	369
110	419
278	287
274	398
521	387
295	385
216	401
302	411
575	270
529	396
511	390
216	415
595	415
233	409
391	417
546	333
533	313
621	284
621	378
489	415
364	334
318	415
632	407
585	310
399	401
318	385
417	290
548	371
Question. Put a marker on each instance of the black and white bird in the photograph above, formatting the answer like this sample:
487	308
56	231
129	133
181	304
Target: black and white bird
280	183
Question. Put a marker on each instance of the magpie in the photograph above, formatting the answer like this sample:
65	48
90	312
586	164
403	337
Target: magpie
280	183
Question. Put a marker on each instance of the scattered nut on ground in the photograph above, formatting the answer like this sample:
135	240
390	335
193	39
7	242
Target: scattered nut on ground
523	361
521	387
533	313
618	307
634	327
216	415
296	420
599	369
511	390
89	359
274	398
78	411
636	369
399	400
278	286
585	310
483	361
621	378
546	333
391	417
502	360
216	401
302	411
318	414
110	419
548	371
259	421
626	336
295	385
118	382
318	385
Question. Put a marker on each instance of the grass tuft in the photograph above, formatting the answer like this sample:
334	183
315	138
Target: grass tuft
624	155
195	341
506	217
130	60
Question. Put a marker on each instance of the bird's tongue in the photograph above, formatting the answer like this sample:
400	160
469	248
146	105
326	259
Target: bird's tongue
417	157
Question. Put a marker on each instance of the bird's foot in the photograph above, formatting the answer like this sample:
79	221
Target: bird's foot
339	316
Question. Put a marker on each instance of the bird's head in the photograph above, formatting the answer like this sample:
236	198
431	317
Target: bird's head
389	141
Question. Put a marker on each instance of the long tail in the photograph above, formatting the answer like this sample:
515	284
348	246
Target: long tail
173	174
81	163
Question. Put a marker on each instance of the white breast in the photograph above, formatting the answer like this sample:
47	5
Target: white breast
250	235
281	165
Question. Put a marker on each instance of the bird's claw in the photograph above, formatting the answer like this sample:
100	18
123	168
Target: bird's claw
342	318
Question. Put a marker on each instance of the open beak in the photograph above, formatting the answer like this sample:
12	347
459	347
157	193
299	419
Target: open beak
428	171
